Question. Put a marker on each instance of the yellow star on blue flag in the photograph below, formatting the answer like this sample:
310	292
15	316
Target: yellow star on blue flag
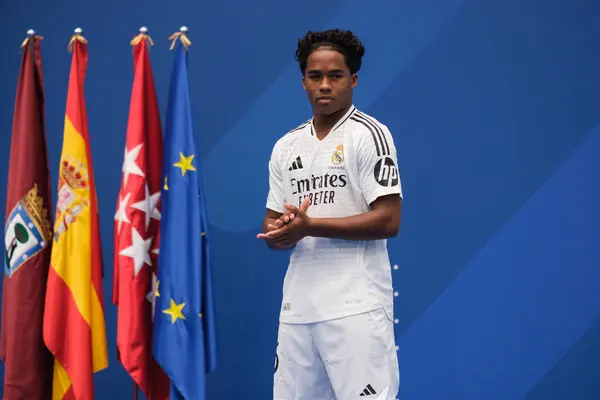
185	163
184	344
175	311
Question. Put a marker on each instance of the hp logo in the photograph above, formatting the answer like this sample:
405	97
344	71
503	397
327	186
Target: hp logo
386	173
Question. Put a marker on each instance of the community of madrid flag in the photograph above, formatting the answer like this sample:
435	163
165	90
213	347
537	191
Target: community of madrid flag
27	239
136	230
184	322
74	326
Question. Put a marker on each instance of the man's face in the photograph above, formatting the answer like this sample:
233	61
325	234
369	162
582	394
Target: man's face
327	81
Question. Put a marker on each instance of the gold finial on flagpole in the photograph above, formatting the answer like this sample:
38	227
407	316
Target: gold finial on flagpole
30	34
181	35
76	36
143	34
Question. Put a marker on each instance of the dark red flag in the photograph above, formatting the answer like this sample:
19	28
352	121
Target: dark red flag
136	231
28	239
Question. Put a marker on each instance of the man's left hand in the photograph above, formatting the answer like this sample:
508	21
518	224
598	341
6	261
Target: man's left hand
292	231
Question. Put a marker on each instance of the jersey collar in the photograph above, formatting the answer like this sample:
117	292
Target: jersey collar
341	121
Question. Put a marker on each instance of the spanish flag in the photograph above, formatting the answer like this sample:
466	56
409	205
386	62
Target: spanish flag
74	325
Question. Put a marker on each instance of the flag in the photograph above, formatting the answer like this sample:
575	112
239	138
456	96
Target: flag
27	239
136	229
184	322
74	326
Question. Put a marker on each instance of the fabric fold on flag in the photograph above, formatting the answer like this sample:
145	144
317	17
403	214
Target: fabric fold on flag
184	326
27	239
136	231
74	324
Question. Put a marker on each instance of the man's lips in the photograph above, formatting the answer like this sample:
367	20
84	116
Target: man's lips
325	99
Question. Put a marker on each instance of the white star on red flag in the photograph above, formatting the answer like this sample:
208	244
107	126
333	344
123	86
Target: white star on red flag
148	205
121	214
139	251
129	164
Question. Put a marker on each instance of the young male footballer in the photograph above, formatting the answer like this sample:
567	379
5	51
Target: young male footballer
334	198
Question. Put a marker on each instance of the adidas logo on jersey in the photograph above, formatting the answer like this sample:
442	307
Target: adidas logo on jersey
368	391
296	164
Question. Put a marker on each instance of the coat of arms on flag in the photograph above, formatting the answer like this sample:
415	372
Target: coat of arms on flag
27	231
73	189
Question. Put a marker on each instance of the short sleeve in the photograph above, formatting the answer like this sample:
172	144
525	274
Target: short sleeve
378	164
276	196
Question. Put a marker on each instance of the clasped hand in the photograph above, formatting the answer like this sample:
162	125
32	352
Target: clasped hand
290	228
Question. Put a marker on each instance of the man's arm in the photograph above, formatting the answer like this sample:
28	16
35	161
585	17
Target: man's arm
275	202
381	222
379	183
271	218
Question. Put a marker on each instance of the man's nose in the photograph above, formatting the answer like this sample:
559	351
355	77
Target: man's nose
325	85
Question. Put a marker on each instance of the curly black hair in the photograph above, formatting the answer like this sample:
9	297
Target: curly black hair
345	42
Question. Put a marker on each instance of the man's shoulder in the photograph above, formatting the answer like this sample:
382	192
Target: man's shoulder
368	132
364	123
293	134
305	125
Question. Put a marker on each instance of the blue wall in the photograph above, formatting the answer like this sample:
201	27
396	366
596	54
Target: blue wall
495	109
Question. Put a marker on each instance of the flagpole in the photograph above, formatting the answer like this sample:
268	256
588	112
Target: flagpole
135	391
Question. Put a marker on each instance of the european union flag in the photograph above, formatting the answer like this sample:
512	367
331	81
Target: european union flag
184	342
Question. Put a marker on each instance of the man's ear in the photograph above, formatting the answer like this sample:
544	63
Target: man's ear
303	85
354	80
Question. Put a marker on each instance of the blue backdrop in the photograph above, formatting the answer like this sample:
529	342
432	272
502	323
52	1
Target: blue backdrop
495	110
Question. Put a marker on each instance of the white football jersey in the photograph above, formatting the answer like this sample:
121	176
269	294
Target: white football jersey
342	174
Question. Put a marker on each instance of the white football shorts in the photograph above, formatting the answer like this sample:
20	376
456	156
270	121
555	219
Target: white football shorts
342	359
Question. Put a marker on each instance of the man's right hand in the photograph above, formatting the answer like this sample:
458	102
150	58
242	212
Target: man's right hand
281	221
274	221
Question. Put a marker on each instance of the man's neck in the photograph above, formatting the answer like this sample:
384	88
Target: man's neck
323	123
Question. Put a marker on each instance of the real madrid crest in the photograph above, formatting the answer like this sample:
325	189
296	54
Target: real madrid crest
338	155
